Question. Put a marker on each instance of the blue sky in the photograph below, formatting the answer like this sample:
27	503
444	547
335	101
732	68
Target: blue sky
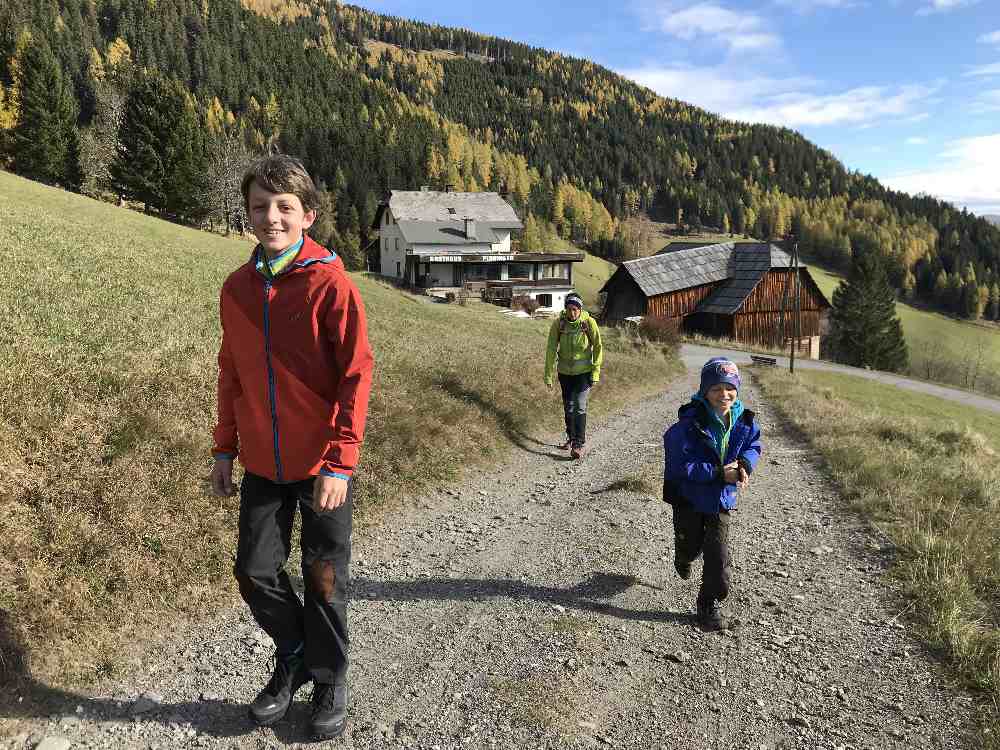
906	90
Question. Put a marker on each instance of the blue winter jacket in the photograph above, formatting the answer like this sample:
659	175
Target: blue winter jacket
693	470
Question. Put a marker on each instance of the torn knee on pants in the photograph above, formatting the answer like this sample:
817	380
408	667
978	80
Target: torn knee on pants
322	578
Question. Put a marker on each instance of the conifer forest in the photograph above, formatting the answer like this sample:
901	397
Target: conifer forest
160	103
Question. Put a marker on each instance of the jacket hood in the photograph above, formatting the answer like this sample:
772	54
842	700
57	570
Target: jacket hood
310	254
584	316
698	405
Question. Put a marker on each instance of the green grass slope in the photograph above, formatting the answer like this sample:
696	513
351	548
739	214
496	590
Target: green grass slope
942	348
922	469
107	397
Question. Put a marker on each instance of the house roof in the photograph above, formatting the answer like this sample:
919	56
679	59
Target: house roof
430	205
445	233
740	265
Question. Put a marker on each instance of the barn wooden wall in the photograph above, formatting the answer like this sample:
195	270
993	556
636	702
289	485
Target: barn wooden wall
681	302
767	296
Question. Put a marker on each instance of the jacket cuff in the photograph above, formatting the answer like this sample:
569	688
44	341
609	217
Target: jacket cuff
222	455
335	474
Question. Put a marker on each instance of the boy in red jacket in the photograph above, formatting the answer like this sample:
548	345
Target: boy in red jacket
295	371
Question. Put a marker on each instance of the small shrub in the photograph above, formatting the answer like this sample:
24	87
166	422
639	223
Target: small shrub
449	297
665	331
526	303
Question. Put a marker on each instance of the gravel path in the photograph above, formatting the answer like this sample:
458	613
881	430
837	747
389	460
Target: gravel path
534	608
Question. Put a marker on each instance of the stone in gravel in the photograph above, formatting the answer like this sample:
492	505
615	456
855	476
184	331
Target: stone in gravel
681	657
54	743
147	702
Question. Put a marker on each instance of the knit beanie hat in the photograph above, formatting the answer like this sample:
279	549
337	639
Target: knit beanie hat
574	299
719	370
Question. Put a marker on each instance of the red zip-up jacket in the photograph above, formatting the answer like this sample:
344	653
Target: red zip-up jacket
295	369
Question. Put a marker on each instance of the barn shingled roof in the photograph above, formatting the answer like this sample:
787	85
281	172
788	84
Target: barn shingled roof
741	265
749	264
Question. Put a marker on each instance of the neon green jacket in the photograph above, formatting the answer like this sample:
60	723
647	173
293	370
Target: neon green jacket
577	352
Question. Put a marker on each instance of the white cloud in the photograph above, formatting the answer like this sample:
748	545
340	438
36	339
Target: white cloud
993	38
740	31
967	174
986	102
916	140
943	6
790	102
804	6
985	70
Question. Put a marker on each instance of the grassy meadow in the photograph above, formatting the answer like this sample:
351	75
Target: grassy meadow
107	398
942	348
923	470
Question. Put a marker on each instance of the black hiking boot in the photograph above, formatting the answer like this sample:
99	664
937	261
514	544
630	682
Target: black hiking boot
683	569
329	711
710	617
578	451
272	703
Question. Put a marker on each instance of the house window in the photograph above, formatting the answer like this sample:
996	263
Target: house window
399	270
518	270
397	243
554	270
545	300
482	272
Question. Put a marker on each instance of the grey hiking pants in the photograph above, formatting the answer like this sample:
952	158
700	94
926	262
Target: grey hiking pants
575	392
267	514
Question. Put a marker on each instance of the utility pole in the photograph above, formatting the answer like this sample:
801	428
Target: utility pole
793	241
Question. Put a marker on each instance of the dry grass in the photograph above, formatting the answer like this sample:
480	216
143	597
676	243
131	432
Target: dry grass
925	471
107	380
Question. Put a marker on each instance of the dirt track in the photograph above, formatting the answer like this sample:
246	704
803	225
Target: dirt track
534	607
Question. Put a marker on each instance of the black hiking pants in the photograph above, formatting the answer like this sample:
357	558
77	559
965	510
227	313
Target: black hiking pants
575	393
267	513
704	534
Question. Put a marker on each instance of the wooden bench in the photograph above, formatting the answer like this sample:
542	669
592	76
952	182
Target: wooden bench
759	359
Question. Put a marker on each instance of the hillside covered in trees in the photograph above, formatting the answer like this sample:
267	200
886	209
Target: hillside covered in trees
162	101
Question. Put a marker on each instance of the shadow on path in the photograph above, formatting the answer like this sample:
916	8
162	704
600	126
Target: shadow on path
509	424
585	596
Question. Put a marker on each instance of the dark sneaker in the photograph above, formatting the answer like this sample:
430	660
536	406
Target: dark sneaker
271	704
683	569
710	617
329	711
566	446
578	451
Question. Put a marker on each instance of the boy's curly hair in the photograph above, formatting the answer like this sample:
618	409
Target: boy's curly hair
280	173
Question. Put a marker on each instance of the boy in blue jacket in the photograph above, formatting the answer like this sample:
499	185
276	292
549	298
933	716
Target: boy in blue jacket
711	451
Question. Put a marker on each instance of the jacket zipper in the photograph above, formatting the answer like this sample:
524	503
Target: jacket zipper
271	390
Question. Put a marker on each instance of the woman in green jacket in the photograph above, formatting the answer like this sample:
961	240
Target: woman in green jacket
575	340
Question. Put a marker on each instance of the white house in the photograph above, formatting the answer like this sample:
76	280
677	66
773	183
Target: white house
444	241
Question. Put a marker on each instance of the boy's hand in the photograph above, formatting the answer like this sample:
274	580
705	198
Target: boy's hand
329	493
744	478
221	478
731	473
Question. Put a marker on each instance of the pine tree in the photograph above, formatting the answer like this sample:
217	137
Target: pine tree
531	240
45	139
161	155
993	307
865	331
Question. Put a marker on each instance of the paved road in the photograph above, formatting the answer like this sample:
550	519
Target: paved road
695	355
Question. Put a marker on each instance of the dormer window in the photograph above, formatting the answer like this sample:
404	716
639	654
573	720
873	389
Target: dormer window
452	211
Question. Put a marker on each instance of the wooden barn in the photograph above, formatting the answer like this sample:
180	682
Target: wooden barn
729	290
